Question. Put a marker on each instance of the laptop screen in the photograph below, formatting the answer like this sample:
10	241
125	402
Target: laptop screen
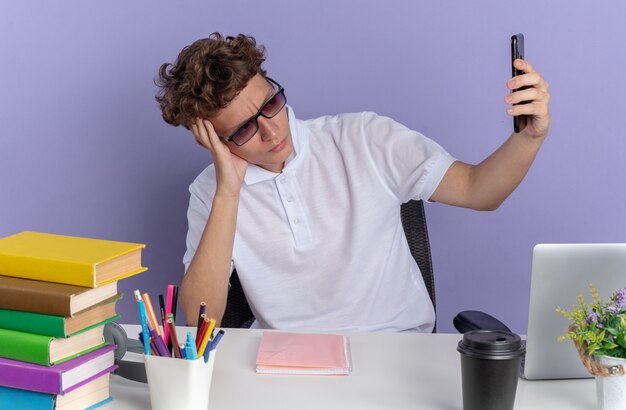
561	272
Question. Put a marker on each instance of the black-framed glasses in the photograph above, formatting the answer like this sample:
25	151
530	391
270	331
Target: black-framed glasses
269	109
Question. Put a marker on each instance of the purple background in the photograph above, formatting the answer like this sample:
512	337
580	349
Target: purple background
83	149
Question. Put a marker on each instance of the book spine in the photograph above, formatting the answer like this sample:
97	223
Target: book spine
45	380
25	399
36	301
29	322
48	270
27	347
26	376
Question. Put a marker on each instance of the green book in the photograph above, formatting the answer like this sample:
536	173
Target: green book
47	350
60	326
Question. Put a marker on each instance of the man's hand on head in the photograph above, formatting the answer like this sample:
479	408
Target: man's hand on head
229	168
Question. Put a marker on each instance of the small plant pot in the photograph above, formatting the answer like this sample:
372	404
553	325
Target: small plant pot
611	389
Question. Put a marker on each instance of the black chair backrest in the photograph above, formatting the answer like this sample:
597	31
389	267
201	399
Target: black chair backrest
238	313
416	231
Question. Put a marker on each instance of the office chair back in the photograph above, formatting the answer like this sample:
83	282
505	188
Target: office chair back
416	231
238	313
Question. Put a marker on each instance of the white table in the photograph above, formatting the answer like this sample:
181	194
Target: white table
390	371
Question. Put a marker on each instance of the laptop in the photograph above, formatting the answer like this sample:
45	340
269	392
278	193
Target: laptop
561	272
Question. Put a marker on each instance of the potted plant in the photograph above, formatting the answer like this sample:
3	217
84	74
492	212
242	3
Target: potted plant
598	330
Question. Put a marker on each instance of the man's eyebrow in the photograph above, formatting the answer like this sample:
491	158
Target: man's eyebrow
271	93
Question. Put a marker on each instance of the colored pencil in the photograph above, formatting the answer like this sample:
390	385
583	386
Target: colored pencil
205	338
150	312
168	310
175	301
200	319
174	338
200	335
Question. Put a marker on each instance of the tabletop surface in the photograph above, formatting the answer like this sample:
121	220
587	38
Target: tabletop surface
390	371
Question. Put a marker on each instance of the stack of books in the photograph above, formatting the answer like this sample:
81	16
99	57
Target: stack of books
56	294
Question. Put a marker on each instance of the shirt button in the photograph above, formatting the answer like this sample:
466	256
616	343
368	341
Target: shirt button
282	180
289	199
296	221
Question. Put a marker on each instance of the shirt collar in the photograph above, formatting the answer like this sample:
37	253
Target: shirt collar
300	143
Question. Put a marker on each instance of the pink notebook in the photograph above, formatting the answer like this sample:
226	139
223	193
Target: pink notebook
303	353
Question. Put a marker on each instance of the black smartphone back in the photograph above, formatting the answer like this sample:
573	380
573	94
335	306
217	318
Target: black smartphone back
517	51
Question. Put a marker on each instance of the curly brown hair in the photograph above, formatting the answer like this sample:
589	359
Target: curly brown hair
207	76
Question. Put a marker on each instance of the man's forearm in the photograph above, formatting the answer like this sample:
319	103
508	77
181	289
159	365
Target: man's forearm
497	176
207	277
485	186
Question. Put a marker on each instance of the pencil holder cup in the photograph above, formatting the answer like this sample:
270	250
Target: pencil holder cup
179	383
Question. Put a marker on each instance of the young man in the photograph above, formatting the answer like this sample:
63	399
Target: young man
308	212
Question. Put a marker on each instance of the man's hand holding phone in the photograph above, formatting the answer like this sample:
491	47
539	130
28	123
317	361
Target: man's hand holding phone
529	94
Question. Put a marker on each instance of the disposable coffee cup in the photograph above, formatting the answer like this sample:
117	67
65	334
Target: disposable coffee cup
490	361
178	383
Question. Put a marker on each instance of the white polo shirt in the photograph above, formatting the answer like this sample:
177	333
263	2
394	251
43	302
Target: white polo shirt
321	245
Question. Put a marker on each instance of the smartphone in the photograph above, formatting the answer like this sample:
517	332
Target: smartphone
517	51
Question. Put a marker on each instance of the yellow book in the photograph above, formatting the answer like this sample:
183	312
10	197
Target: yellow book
68	259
